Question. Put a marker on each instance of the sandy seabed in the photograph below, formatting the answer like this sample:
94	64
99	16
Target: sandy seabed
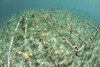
50	38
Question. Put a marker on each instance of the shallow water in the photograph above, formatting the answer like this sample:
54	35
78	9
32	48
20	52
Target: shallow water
51	36
89	8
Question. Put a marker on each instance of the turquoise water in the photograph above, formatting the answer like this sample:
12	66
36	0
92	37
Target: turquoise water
49	33
89	8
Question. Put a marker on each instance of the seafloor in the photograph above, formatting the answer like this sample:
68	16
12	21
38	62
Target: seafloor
49	38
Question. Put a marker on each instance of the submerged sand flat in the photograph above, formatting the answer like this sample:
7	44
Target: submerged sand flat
50	38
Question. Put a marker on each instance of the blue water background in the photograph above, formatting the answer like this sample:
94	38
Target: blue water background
90	8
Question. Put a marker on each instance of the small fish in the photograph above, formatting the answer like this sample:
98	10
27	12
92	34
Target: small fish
25	35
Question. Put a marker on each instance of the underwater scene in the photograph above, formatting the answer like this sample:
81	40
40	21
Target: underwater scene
49	35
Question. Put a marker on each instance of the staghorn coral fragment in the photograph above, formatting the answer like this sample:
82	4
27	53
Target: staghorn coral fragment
71	31
26	55
24	34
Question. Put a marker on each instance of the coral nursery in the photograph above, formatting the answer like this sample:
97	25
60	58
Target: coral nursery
49	38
